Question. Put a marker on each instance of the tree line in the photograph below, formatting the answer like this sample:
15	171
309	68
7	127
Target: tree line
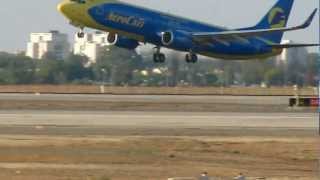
121	67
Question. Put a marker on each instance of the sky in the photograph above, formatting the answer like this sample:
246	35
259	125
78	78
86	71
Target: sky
20	17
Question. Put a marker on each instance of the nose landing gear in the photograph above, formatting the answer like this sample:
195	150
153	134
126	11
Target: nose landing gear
81	33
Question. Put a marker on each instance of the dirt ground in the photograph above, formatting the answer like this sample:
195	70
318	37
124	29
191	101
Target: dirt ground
136	157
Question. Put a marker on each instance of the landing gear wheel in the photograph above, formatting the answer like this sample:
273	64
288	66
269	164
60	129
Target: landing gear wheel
155	58
80	34
191	58
159	58
162	58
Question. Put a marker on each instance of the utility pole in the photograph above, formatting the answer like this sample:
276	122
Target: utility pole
102	86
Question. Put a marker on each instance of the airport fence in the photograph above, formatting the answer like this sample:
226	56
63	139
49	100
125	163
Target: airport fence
91	89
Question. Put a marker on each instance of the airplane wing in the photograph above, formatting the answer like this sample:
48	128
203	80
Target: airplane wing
227	36
285	46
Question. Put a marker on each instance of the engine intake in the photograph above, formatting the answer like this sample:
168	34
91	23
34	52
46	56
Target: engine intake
122	41
167	38
112	38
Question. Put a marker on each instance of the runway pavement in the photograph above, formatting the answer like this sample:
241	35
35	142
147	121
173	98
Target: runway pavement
107	114
259	100
154	132
151	103
149	119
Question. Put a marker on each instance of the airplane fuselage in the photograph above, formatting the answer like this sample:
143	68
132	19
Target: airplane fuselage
145	25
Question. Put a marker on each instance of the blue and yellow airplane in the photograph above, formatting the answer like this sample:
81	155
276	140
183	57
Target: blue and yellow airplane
129	25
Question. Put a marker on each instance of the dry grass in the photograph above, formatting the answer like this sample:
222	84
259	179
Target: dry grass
156	157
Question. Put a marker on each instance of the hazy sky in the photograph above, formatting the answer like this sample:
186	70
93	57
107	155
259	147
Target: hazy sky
20	17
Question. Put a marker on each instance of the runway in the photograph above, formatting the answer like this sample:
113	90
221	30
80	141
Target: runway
265	100
152	103
149	119
156	137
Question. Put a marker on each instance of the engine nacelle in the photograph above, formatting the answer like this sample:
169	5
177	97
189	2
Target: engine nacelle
178	39
167	38
122	42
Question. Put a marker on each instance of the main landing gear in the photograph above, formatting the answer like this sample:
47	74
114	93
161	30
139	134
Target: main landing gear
191	58
158	57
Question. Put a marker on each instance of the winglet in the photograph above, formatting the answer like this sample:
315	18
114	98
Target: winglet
309	20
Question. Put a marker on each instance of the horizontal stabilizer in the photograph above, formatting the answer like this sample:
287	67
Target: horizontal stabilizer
285	46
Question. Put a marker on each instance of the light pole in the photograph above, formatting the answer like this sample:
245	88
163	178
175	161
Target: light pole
103	74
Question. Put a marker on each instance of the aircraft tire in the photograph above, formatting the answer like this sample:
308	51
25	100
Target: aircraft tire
162	58
155	58
159	58
191	58
194	58
188	58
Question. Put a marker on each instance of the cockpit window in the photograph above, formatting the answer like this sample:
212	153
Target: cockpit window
79	1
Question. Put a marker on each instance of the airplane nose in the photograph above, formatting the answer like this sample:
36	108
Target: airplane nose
63	7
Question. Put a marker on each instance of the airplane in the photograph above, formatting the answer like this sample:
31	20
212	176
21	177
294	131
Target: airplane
129	25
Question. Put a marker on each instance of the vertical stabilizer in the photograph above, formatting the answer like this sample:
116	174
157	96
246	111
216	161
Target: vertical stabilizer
277	17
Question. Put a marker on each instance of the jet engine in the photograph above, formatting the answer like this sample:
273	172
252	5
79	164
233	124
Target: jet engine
122	41
167	38
179	39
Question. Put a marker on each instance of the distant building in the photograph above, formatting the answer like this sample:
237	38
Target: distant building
292	54
291	58
54	44
91	45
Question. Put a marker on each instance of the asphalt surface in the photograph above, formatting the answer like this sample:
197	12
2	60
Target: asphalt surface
159	119
259	100
24	131
150	119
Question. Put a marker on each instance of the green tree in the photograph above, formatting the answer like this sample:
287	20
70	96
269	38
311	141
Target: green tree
274	77
15	69
211	79
119	65
75	69
252	72
49	72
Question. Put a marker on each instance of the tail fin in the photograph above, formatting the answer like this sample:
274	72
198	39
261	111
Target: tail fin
277	17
